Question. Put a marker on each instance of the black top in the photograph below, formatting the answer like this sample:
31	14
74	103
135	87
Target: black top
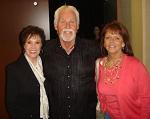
71	79
22	91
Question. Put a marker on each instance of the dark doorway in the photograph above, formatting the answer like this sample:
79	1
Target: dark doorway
92	13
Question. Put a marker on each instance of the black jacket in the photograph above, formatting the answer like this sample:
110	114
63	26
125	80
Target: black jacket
22	91
71	79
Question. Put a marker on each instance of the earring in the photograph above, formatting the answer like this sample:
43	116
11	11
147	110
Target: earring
123	47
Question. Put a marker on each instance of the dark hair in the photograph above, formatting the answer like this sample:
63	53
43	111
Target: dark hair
122	30
28	32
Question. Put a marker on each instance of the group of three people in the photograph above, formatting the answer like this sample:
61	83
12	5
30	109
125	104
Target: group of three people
56	79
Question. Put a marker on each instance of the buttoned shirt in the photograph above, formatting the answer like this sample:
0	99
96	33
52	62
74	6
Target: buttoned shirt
70	79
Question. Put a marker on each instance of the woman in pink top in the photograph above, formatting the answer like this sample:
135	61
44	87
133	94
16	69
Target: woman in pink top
124	83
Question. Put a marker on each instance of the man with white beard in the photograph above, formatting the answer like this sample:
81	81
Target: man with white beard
69	67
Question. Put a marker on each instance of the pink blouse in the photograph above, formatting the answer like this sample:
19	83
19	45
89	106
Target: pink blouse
129	96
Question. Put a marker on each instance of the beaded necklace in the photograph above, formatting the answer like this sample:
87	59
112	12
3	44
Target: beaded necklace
112	70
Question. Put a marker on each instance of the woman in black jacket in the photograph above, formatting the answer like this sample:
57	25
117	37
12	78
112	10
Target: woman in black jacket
25	91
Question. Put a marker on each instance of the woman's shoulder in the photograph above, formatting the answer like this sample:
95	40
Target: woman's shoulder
132	59
100	61
134	63
20	61
136	66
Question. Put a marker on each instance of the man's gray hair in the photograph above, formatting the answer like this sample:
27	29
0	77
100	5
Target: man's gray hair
57	12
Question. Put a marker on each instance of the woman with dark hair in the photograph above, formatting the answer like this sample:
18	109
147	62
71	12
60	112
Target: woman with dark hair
123	83
25	91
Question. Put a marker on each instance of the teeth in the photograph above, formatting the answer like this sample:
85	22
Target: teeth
33	51
111	46
67	32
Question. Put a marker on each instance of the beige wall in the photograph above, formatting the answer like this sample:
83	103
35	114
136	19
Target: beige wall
124	13
146	32
136	24
135	15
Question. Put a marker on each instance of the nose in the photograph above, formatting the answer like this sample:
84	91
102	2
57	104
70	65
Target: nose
67	24
112	39
33	45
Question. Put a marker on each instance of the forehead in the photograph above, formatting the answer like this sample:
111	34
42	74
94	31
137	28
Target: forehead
112	32
67	13
33	36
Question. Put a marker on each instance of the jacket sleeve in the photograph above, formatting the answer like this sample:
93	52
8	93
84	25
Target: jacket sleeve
12	89
144	90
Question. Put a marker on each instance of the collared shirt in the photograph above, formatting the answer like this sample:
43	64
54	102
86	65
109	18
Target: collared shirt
70	79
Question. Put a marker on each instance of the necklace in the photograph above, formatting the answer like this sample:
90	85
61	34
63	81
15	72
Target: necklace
112	70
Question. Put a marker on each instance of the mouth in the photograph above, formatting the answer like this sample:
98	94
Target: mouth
67	31
67	34
33	51
112	46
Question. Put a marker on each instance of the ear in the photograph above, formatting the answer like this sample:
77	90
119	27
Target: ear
123	45
77	26
55	26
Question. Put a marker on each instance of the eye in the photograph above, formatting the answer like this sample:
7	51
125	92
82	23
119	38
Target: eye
62	21
38	42
72	21
117	38
107	37
28	42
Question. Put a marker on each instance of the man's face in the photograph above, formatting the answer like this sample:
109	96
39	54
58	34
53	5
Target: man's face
67	25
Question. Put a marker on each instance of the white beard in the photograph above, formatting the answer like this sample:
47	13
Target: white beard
67	35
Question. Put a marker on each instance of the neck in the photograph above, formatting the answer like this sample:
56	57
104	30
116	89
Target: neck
33	60
113	57
67	46
113	60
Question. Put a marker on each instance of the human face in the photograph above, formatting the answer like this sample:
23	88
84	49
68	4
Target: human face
67	25
33	46
113	42
96	30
